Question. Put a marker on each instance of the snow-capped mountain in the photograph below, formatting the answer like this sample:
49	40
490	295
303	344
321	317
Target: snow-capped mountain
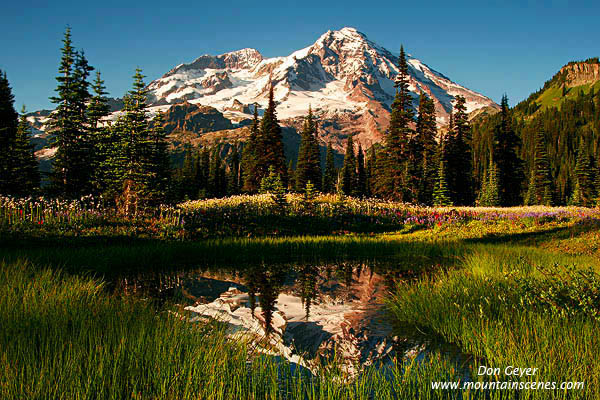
347	79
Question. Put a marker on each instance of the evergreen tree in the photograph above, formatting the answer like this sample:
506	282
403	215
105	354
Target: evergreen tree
583	195
159	165
330	175
269	144
8	134
217	182
204	172
395	184
371	170
26	174
233	178
291	176
273	185
489	195
361	173
539	191
308	167
458	157
441	194
510	166
348	174
70	167
99	135
249	157
425	135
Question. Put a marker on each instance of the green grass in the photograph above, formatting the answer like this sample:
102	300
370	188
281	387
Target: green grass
63	337
552	97
482	307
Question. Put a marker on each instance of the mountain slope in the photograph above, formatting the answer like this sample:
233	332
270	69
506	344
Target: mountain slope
347	79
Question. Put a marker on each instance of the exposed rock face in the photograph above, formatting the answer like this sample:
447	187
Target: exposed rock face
347	79
581	73
188	117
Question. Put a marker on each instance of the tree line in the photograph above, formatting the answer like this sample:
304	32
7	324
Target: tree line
515	157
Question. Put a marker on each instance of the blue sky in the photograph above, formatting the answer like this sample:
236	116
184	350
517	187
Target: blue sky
492	47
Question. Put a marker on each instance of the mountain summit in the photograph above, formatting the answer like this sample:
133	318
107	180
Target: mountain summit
346	78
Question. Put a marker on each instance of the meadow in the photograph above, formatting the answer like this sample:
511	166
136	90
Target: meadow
508	287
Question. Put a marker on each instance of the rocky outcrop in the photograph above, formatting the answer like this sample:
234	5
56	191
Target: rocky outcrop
581	73
187	117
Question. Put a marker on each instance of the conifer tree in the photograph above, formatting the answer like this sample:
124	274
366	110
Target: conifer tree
489	195
361	173
348	173
249	157
425	135
510	167
330	175
308	167
395	184
159	165
458	157
540	189
204	171
99	136
583	195
371	170
441	195
233	179
71	162
291	173
26	174
217	183
8	133
269	144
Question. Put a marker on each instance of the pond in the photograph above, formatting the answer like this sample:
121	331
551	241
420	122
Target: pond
306	312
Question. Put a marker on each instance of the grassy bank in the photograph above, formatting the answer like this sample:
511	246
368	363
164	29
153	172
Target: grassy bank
515	306
62	337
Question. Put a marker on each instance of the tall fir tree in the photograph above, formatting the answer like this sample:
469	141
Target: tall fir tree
269	145
540	183
348	173
489	195
361	173
233	178
8	134
159	163
441	194
308	166
249	157
510	167
584	192
99	136
330	174
371	170
395	183
71	164
27	175
425	136
459	167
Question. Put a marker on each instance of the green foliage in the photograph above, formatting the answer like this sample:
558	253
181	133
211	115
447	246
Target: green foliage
441	196
330	174
308	167
489	195
506	146
273	185
26	174
8	132
394	181
269	144
348	175
457	156
424	165
249	157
